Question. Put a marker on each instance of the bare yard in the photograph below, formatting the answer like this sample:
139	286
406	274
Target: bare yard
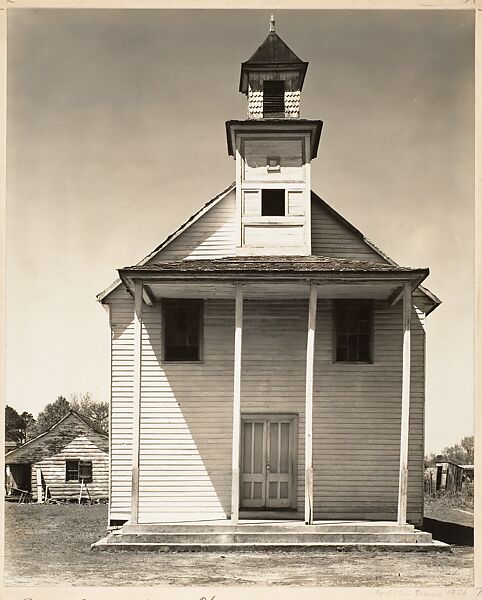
50	545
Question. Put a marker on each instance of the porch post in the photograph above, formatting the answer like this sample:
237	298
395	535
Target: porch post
136	401
310	354
38	473
238	337
405	422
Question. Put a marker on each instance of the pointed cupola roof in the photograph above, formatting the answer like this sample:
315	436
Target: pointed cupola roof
272	55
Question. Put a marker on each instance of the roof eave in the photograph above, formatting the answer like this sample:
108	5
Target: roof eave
316	128
131	275
247	66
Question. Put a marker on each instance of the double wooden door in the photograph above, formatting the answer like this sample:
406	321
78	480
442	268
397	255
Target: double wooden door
268	461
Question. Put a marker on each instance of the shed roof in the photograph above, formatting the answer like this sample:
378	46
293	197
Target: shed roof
282	264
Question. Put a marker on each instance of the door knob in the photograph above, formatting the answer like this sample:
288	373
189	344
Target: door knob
267	466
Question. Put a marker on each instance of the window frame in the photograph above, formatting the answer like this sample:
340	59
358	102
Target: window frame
335	308
80	463
67	470
176	302
273	114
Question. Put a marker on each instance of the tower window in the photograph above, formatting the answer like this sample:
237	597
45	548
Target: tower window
273	97
273	203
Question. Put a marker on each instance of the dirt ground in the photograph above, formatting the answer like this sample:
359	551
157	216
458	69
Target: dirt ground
49	545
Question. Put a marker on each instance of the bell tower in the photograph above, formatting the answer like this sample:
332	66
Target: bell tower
273	149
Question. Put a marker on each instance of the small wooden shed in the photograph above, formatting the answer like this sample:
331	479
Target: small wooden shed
72	451
449	476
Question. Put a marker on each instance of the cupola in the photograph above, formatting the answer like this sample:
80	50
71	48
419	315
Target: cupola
272	79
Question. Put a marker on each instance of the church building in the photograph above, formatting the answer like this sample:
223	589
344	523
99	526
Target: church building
268	361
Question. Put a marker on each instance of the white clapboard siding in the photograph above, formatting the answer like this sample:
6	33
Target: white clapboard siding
122	381
186	413
186	423
259	236
330	237
54	470
211	236
356	433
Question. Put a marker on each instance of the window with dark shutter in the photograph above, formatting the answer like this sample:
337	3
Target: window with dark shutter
182	326
85	470
353	330
273	98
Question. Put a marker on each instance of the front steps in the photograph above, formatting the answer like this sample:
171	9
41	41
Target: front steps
262	536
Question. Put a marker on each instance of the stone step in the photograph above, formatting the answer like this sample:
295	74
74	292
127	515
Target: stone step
267	527
255	537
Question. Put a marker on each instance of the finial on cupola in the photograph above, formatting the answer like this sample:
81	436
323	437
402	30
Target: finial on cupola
272	24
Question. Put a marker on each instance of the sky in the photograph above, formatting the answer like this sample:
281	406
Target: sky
115	136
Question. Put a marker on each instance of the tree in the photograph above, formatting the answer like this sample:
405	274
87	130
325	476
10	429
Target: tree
14	425
96	411
51	414
29	425
461	454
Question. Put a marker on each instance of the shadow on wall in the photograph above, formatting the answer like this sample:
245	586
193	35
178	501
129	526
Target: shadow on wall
186	430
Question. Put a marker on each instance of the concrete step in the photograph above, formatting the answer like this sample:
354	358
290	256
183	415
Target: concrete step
255	537
433	546
267	527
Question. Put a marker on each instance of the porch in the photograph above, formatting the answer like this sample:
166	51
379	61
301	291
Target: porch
309	280
262	534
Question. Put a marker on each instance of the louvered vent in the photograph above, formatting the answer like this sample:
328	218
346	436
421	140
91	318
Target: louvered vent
273	98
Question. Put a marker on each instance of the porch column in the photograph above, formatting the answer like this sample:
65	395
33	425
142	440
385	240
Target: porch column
405	423
38	473
238	336
310	354
136	401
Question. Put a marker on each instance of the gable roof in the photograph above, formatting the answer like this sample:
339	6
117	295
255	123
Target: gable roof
171	237
435	301
71	412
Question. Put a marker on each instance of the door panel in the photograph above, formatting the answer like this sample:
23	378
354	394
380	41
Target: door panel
268	461
254	464
278	465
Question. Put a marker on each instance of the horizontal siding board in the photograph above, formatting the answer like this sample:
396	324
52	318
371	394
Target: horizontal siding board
211	236
330	237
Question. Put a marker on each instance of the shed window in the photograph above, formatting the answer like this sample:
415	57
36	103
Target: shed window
76	470
182	320
273	97
273	203
353	330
